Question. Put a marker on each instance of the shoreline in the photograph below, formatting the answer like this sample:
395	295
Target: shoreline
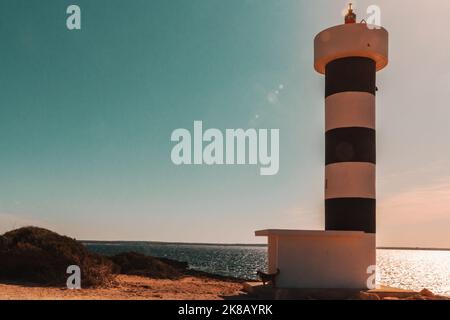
35	255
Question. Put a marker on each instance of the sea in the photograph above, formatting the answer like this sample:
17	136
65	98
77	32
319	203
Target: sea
405	269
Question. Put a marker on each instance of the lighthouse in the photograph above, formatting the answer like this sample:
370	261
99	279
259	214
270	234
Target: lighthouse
349	56
343	256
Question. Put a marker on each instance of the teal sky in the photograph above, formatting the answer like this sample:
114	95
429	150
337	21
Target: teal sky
86	117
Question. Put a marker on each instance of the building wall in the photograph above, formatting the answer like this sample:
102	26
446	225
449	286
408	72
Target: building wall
322	261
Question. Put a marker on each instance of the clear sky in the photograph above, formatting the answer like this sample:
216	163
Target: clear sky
86	117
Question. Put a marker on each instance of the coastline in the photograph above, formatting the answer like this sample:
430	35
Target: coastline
36	260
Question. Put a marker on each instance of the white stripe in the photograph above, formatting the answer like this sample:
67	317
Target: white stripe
350	109
350	180
351	40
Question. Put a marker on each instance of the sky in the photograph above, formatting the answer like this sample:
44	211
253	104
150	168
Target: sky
86	118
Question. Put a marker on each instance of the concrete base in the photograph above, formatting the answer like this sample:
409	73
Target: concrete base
320	259
267	292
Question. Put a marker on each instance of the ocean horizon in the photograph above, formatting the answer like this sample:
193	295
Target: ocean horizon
116	242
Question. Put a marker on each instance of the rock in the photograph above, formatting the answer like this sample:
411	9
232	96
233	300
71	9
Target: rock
41	256
426	293
133	263
182	265
368	296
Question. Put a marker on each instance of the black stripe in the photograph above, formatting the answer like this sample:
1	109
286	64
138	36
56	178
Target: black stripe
350	74
353	144
350	214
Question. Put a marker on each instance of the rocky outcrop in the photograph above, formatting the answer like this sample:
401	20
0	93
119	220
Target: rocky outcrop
425	294
133	263
41	256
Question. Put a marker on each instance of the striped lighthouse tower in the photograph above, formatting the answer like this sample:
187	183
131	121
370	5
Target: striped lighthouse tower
349	56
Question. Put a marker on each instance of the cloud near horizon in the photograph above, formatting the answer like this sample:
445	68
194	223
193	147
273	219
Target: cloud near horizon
417	217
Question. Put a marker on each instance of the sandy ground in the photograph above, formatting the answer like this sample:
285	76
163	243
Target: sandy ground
131	287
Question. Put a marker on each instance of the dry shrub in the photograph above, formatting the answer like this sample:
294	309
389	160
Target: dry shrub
42	256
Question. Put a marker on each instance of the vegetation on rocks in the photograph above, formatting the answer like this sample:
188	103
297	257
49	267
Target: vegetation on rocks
41	256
